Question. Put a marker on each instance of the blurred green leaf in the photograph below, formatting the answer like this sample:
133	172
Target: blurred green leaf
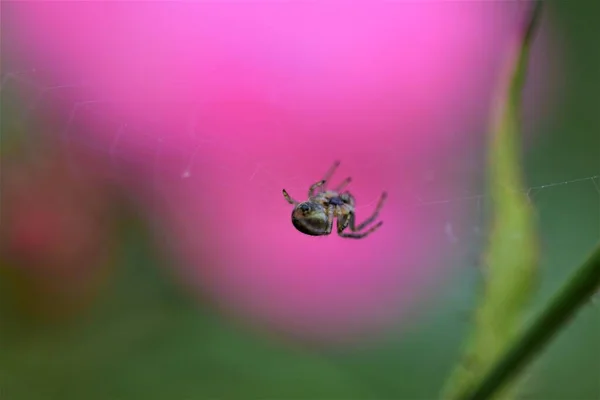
511	260
146	339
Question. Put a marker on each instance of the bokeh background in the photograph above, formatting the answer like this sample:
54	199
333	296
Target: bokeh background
117	281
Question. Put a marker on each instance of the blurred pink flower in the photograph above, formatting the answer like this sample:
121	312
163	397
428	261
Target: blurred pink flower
219	105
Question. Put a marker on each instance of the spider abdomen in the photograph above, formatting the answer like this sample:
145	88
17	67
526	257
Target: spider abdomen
311	219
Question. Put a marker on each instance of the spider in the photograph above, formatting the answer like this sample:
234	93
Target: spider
315	216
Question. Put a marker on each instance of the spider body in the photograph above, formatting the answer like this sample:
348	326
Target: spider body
315	217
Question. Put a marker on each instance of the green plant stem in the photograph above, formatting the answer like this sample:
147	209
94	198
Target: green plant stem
578	290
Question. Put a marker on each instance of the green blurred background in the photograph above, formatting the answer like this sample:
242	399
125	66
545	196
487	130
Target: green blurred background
146	338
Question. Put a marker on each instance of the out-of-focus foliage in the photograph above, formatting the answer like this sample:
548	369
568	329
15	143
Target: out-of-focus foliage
56	242
145	339
511	260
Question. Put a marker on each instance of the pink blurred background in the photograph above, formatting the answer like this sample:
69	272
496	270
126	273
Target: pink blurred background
206	110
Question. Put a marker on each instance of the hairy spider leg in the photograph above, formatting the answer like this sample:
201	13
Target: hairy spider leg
288	198
343	222
314	187
361	234
330	213
329	174
371	218
344	183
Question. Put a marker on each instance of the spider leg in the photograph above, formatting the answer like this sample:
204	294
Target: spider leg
342	223
288	198
344	183
369	220
361	235
348	221
329	173
330	213
314	187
